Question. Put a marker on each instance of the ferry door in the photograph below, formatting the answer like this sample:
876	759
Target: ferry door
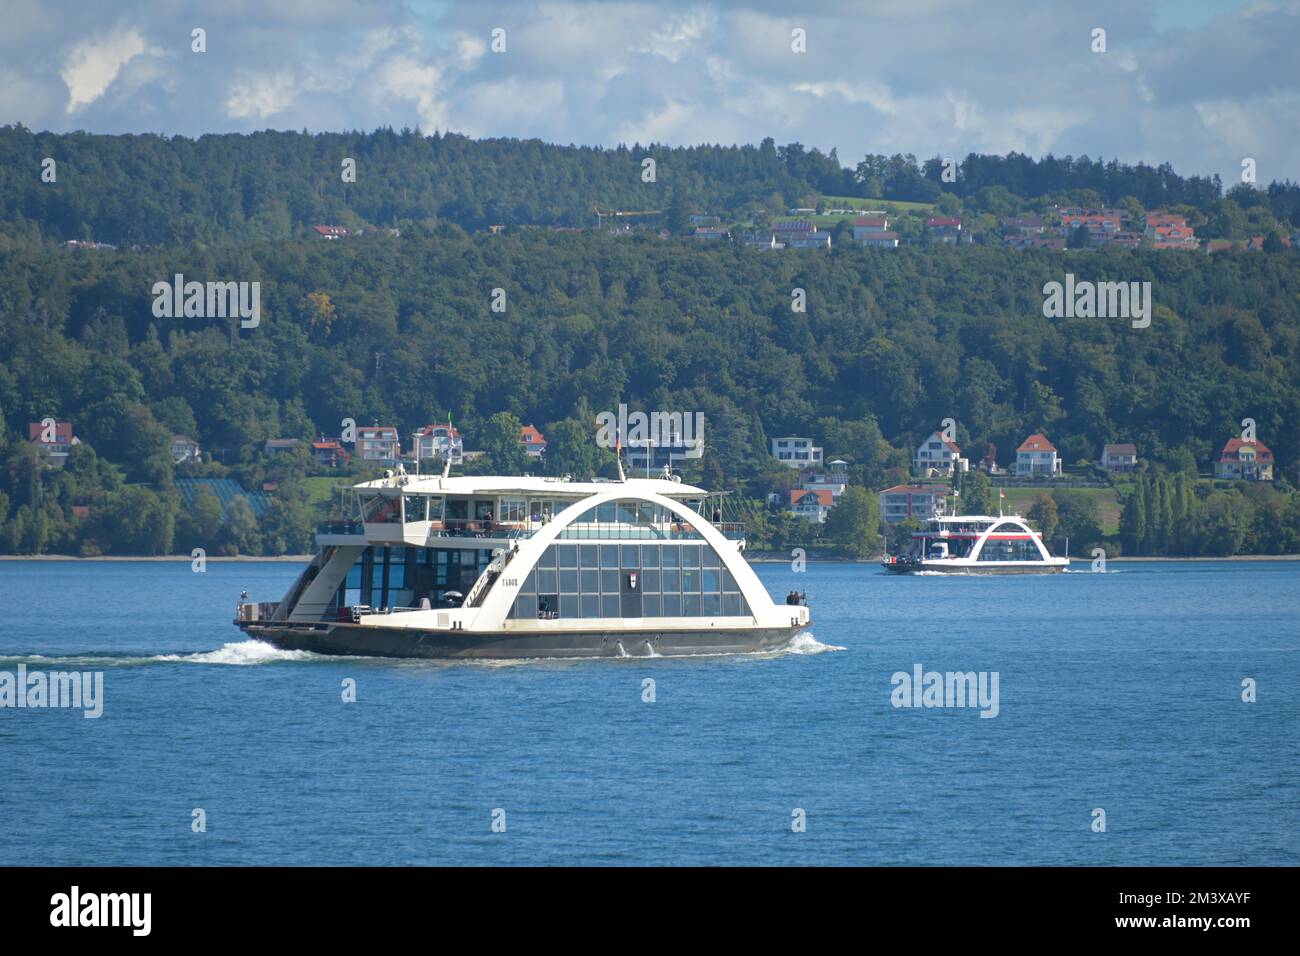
629	588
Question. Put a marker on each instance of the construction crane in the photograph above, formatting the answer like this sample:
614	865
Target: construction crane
603	214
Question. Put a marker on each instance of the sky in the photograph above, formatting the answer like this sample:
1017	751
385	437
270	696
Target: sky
1201	84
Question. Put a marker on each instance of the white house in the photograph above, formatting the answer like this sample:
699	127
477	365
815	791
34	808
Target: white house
443	442
1037	457
811	505
916	500
378	443
1119	459
835	480
939	455
184	449
796	452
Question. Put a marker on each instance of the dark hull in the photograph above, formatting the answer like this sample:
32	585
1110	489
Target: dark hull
356	640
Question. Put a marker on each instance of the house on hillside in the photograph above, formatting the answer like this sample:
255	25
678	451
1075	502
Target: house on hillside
1037	458
331	232
1243	460
944	229
811	505
796	452
711	232
835	479
914	500
1119	459
865	226
378	443
938	456
54	439
184	449
533	443
443	442
330	452
275	446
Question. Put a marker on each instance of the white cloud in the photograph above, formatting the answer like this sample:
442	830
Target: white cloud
93	64
261	95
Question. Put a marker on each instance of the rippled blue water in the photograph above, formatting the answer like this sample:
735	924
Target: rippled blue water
1119	691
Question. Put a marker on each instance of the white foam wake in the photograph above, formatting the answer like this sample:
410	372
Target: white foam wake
805	643
239	653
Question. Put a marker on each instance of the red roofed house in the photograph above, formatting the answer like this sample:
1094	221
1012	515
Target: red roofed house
1243	460
944	229
810	504
938	455
1168	231
533	442
330	453
53	438
866	225
1037	456
916	500
439	441
331	232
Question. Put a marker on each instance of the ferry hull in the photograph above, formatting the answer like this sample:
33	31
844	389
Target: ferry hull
973	568
363	641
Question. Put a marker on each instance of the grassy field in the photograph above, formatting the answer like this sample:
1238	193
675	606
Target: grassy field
1108	506
898	205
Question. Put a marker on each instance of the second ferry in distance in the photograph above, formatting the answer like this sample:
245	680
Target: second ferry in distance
976	544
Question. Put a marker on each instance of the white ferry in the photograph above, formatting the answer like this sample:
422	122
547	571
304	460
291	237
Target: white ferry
976	544
501	567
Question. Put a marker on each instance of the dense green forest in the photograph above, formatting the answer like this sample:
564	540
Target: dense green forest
148	189
401	331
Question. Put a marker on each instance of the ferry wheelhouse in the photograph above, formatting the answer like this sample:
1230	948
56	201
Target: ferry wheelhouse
502	567
976	544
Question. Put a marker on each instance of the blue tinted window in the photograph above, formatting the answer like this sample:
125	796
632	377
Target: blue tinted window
588	556
568	555
530	583
649	555
590	582
712	581
548	557
609	582
729	583
569	582
711	558
691	605
731	605
671	583
672	556
712	605
590	605
672	605
568	605
609	606
631	556
650	582
653	605
690	581
545	582
609	555
690	556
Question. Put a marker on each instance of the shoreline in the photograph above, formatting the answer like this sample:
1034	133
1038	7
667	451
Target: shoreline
757	558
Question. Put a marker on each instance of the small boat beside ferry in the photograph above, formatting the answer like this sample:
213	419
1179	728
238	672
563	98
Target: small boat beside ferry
975	544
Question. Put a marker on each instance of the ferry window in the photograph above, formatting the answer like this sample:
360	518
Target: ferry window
568	605
672	605
545	581
691	606
647	512
415	507
590	605
731	605
712	581
729	583
650	581
379	509
609	581
483	510
548	557
588	556
530	583
568	555
609	556
605	512
649	555
690	556
690	581
609	606
548	605
672	555
457	509
631	556
712	605
653	605
711	558
435	509
525	606
672	582
590	581
568	582
513	509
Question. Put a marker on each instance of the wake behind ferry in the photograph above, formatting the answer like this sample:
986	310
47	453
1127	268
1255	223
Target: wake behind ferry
976	544
526	567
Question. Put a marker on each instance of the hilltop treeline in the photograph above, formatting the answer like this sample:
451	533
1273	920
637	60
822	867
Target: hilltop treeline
155	190
401	331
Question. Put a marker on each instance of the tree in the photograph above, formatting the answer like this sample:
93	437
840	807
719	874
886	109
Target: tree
571	449
978	494
1044	514
501	443
1133	524
852	525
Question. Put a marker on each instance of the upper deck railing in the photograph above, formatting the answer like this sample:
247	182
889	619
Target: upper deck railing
516	530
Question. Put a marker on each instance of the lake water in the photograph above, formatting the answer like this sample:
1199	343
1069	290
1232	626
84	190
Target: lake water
1119	691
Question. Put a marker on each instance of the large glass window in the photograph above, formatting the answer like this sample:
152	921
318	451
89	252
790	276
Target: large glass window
416	506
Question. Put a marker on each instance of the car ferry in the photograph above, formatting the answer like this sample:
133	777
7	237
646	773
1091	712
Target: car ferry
976	544
528	567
